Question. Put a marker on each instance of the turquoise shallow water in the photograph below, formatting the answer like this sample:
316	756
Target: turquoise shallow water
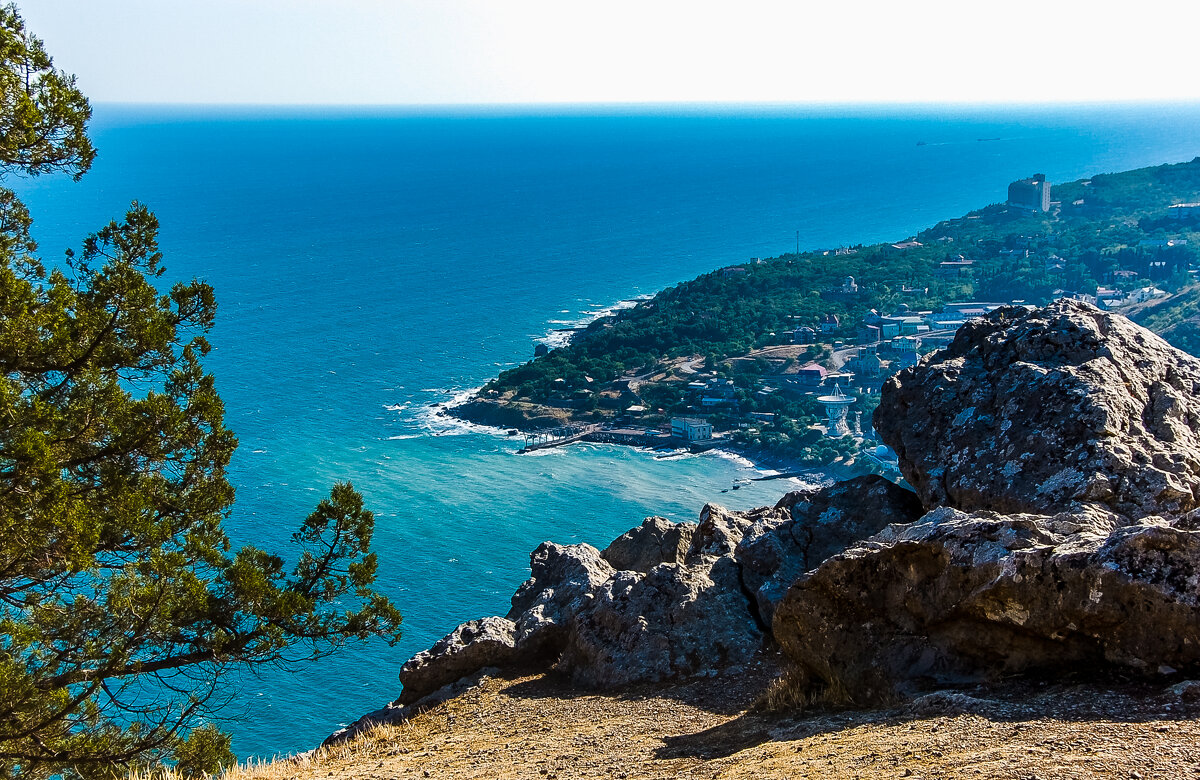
370	264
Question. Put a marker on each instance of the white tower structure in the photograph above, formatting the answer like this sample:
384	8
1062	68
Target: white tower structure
836	406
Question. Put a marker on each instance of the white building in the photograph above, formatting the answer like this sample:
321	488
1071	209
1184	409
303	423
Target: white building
691	428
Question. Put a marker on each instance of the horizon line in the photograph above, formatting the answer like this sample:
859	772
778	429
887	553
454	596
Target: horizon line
658	105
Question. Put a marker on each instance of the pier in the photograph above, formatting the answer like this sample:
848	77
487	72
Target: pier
556	437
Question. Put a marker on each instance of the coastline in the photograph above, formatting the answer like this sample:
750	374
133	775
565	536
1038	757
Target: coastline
755	458
467	410
561	336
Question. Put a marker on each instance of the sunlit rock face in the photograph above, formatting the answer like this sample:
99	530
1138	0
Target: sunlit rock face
1048	410
1056	451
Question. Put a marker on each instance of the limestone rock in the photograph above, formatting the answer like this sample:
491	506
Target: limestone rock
823	522
663	600
966	596
560	575
657	540
1042	411
720	530
489	641
675	621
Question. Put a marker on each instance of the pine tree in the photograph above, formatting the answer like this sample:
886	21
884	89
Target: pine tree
122	605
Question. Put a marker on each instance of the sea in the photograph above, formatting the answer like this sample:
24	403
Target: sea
370	263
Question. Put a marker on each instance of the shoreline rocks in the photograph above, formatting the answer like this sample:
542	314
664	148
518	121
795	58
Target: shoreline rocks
498	415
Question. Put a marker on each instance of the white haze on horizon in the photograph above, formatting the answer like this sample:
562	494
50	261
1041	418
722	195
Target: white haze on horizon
406	52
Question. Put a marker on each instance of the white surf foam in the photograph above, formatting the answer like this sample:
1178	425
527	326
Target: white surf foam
561	336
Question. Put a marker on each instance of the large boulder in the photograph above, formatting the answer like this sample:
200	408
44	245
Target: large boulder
1043	411
961	597
1058	449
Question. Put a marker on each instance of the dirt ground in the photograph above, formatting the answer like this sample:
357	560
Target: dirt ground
541	727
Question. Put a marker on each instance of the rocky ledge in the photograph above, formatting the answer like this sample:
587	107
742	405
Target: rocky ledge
1055	457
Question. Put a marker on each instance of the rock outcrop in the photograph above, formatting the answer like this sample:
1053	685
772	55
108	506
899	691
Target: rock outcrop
821	523
1055	455
657	540
1057	452
1043	411
664	600
527	417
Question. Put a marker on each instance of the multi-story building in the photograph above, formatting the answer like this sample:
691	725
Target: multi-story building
1032	193
691	428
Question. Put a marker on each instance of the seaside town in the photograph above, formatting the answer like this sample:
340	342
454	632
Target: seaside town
804	394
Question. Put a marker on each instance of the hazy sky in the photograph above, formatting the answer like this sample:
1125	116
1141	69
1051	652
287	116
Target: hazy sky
523	51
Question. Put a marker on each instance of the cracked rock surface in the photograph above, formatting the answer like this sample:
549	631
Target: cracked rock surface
1043	411
664	600
1057	453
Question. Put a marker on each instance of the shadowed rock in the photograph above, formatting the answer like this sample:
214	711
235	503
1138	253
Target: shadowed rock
823	522
961	597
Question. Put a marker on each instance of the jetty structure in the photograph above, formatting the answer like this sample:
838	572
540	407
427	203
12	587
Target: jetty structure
556	437
836	405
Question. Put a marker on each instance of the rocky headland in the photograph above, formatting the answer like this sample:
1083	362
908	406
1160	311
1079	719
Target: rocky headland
1052	528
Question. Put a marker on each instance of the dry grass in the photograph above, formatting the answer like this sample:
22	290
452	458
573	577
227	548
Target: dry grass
796	691
379	741
541	727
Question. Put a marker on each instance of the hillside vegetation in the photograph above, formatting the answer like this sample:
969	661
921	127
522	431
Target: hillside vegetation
726	313
1107	235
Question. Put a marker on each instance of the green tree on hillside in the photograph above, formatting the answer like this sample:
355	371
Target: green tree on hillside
122	605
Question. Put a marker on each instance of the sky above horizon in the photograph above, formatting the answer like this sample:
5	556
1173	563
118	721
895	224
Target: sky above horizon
423	52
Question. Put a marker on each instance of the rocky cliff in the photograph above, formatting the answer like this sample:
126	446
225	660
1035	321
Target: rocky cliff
1054	524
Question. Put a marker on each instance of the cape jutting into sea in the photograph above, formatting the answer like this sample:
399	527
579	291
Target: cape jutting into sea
370	264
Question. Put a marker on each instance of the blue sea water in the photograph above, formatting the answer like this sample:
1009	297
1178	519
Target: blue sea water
371	263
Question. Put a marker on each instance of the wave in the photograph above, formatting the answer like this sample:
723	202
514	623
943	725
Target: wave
434	422
737	458
561	336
